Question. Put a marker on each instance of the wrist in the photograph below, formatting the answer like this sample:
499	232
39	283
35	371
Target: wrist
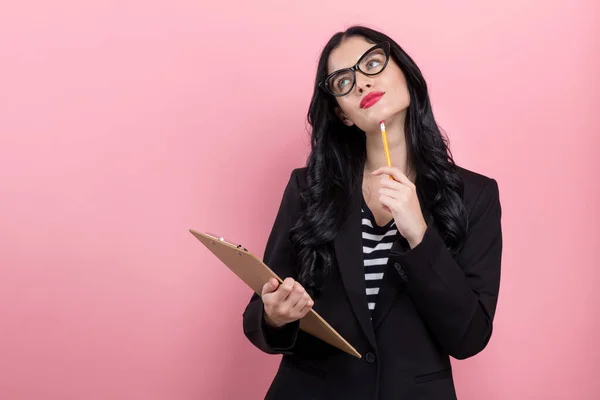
417	238
272	323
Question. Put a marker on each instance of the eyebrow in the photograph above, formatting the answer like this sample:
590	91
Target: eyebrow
357	60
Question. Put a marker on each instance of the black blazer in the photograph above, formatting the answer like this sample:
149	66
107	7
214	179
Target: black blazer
430	306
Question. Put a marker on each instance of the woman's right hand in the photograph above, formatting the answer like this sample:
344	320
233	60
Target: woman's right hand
284	303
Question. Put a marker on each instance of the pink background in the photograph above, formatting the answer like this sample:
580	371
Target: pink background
124	123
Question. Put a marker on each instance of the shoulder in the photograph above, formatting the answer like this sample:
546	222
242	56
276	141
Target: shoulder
479	190
298	178
291	195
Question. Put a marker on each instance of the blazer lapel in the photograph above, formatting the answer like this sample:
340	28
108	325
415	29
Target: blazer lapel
392	284
348	250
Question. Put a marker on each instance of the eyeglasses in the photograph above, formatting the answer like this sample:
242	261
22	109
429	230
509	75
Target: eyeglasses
371	63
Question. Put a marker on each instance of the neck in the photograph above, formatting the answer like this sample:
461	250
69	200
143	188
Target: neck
396	144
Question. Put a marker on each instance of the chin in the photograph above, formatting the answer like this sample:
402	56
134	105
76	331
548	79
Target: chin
384	114
391	116
376	115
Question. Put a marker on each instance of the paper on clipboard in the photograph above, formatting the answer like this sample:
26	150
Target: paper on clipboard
255	274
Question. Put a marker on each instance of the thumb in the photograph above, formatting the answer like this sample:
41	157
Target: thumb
270	286
274	284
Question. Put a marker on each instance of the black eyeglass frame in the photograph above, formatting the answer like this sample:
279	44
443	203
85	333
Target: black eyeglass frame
324	84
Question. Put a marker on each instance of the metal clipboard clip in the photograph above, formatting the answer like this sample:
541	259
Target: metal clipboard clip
222	239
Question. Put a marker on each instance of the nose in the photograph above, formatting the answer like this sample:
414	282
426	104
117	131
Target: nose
363	82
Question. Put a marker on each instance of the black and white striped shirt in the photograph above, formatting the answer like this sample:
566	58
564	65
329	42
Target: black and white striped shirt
377	242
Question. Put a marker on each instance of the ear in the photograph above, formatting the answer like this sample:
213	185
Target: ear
345	120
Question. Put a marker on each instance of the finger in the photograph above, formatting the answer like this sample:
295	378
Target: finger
386	170
299	306
395	173
284	290
387	201
302	301
306	308
394	194
391	184
269	287
295	295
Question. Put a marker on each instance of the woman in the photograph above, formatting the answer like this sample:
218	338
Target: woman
406	269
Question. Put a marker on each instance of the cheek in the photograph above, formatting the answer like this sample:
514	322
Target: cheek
400	92
349	107
403	96
400	98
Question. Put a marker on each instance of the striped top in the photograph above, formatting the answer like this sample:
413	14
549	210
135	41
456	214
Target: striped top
377	242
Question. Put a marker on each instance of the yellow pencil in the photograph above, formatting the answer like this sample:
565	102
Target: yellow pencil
385	145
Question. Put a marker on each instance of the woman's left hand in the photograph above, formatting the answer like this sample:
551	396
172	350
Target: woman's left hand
399	196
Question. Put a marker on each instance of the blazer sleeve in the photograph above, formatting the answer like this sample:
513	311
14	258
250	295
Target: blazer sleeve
457	298
280	257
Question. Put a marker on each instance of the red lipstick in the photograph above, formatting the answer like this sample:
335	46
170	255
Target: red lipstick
370	99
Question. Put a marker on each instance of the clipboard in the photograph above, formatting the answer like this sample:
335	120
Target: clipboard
255	274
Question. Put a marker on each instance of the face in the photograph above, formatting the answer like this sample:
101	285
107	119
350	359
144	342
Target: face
373	98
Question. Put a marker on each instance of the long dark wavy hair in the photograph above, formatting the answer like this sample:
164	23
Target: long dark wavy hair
338	152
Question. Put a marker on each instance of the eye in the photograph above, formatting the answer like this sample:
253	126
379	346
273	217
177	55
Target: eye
342	83
373	63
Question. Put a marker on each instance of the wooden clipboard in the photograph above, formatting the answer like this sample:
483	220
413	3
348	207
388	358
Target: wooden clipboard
255	274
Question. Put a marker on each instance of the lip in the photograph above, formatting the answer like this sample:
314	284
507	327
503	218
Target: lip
370	99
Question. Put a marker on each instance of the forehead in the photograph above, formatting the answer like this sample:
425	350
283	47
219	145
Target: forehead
347	53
